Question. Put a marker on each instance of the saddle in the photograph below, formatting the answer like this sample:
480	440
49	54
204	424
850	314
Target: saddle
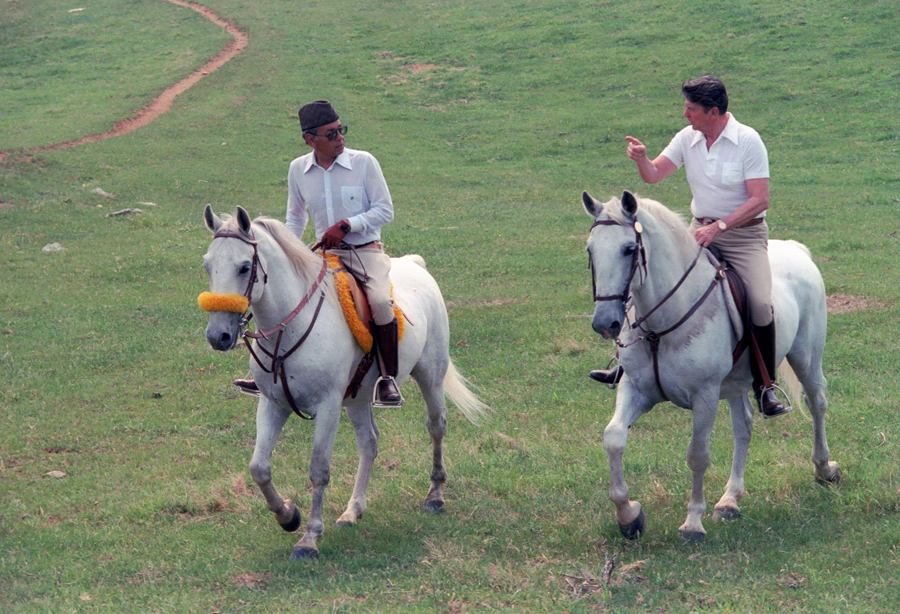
358	314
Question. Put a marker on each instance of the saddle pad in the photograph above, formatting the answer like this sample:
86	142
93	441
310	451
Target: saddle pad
355	305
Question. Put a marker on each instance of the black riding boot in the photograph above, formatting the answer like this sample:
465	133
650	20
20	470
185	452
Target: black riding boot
766	398
247	386
610	377
386	341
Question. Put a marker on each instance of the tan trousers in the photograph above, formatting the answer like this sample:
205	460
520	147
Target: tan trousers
372	267
746	250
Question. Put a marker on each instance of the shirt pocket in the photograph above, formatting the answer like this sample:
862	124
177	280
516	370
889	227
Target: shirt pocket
353	199
732	173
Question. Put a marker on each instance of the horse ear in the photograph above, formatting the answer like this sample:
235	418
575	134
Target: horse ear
212	220
244	223
593	206
629	203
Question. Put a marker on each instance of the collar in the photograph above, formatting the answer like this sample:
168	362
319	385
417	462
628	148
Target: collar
342	160
732	127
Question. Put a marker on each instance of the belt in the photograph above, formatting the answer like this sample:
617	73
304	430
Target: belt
375	243
704	221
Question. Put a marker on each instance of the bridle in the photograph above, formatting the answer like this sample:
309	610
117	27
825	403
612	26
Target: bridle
255	266
277	361
639	262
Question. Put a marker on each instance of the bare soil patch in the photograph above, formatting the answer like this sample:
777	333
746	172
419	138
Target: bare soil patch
163	102
846	303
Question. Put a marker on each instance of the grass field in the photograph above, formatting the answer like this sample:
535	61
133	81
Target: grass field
489	119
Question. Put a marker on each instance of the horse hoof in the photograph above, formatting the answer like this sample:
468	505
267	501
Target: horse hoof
304	553
635	528
828	477
434	506
726	513
693	537
293	524
347	520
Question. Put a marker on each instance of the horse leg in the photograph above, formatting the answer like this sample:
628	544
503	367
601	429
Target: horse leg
327	420
630	405
367	446
269	422
704	409
432	388
814	386
742	428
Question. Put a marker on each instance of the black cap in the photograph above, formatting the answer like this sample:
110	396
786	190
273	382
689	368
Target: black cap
316	114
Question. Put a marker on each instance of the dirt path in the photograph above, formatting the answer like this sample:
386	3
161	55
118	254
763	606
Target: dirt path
163	102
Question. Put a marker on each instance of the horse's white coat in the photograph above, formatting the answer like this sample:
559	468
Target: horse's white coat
320	370
695	361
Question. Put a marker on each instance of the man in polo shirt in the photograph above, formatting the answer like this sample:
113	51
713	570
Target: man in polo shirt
345	193
727	168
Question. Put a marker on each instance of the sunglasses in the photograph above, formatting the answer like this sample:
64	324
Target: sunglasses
331	134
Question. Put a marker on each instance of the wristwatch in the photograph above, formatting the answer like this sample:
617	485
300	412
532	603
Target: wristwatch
722	225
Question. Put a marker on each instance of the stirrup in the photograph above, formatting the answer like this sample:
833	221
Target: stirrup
614	374
247	386
787	406
376	400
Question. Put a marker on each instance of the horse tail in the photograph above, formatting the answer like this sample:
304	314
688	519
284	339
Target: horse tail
456	387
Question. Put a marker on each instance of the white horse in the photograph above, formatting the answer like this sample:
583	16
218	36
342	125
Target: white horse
294	302
639	252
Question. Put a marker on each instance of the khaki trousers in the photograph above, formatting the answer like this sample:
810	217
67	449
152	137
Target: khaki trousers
746	250
371	267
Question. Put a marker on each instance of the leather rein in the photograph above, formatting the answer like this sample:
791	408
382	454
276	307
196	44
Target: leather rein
277	361
639	263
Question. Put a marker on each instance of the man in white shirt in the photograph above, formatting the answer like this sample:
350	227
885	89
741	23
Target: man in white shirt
344	192
727	168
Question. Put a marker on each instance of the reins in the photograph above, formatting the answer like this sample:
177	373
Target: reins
277	361
639	262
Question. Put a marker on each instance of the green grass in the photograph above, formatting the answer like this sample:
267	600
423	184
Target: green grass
489	119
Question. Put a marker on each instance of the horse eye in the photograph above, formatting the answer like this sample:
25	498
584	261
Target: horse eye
629	249
245	268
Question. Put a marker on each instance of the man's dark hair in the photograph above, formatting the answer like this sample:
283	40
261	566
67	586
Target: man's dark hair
706	91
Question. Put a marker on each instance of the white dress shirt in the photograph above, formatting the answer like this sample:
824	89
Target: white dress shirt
353	188
717	176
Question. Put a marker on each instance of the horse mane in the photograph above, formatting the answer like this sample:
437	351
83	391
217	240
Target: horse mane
671	221
305	262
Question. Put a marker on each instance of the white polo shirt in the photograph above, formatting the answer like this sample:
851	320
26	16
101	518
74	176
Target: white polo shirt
717	176
352	188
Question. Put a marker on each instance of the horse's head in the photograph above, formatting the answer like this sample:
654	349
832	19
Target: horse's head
615	254
234	267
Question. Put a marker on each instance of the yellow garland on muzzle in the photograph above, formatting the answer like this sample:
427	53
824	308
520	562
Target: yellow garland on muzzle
236	303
